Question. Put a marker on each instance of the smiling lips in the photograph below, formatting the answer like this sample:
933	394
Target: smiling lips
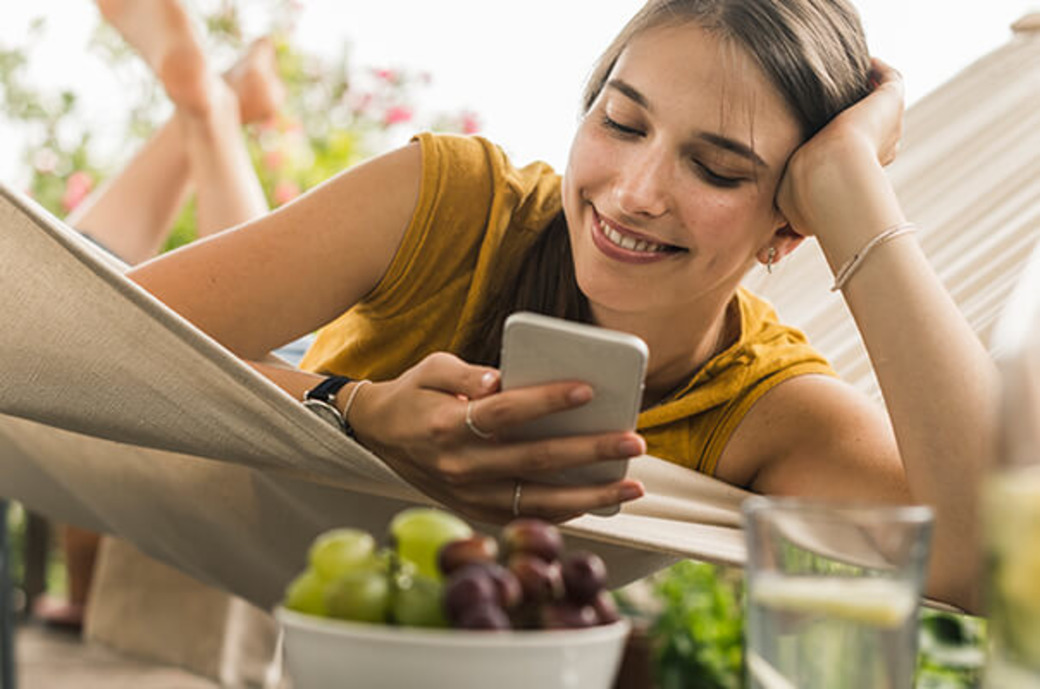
622	245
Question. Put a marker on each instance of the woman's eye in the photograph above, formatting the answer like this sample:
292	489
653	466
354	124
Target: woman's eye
716	179
616	126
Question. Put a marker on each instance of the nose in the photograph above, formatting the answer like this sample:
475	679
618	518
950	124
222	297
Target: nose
641	187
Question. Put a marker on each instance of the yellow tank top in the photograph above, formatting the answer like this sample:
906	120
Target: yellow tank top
476	217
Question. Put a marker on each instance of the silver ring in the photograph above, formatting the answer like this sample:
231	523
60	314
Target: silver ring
517	489
484	435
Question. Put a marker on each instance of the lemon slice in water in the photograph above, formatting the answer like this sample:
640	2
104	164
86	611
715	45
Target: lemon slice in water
876	602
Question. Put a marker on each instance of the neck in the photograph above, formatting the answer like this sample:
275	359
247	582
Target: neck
680	343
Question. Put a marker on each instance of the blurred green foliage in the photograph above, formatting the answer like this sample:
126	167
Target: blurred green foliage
696	627
335	114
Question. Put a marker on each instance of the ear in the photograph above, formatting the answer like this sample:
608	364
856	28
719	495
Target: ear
783	241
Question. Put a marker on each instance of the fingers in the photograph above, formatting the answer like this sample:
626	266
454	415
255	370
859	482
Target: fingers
883	75
448	373
497	414
537	459
553	503
558	503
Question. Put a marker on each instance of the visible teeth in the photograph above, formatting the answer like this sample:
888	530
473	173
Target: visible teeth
630	243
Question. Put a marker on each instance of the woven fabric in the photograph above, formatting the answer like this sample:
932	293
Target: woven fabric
120	416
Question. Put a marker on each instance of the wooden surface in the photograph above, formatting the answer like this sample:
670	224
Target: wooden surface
53	659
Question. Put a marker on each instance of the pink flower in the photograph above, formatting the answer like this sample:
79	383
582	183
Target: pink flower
285	191
273	160
77	186
386	75
359	102
396	115
470	122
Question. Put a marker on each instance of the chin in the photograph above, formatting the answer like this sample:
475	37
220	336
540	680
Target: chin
610	294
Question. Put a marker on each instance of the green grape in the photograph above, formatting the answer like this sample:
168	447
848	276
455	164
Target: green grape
306	593
418	602
336	552
418	534
362	595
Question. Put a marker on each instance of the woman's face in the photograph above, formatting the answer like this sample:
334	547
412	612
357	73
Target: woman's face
669	189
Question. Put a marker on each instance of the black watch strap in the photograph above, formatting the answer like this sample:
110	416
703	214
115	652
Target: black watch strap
326	390
321	399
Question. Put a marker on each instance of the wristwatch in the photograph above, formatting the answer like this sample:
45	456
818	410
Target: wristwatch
321	399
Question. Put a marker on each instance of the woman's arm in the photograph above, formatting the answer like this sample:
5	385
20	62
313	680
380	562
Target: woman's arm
265	283
938	381
295	269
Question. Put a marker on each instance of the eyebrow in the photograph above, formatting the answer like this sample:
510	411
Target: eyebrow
723	142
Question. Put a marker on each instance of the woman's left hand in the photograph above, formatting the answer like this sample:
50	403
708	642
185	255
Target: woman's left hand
831	177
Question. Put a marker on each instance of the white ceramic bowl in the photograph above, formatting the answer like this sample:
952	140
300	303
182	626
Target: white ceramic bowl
323	653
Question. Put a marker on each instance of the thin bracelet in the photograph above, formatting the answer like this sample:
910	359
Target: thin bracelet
850	266
350	403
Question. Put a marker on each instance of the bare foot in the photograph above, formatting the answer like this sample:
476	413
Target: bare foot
161	32
255	81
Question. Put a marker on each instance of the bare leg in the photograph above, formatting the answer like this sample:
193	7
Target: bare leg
227	190
133	211
80	548
201	146
161	32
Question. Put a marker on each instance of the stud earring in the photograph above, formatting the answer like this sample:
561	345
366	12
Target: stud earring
770	259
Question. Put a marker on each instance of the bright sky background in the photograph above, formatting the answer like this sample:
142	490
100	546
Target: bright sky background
519	65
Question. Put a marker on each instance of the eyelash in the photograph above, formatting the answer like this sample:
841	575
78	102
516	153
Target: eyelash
706	173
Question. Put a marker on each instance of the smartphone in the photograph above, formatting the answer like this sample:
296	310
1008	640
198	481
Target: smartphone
539	349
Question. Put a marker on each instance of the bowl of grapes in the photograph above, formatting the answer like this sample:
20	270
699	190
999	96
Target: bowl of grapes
444	606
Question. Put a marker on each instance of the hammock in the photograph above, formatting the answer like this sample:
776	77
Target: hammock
119	416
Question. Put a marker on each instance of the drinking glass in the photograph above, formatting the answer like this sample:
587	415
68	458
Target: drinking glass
1012	518
833	592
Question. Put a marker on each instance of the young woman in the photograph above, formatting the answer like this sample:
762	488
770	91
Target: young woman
717	133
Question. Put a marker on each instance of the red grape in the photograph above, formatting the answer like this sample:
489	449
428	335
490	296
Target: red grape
568	615
468	588
506	585
606	608
484	616
584	576
540	581
455	555
532	537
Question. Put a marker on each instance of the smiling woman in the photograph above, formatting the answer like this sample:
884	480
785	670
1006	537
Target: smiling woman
717	133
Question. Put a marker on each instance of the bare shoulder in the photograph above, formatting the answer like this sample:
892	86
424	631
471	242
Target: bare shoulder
816	435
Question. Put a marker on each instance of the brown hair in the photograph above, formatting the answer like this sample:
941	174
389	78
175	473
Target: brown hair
814	53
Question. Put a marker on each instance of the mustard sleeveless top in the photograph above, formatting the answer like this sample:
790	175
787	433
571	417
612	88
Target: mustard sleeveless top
476	217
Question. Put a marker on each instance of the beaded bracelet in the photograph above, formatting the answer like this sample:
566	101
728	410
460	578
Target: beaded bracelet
850	266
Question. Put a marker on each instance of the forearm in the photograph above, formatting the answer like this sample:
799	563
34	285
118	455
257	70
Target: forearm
296	382
939	383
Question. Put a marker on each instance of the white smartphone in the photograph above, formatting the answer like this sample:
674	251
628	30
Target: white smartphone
539	349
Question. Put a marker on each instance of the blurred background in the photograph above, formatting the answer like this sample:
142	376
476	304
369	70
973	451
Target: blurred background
363	77
518	66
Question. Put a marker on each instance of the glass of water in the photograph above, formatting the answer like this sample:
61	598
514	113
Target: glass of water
1012	518
832	593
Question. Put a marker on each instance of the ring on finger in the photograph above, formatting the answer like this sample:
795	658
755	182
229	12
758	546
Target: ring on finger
517	490
472	426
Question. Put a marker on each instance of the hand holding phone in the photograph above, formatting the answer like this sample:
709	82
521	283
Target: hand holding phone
539	349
